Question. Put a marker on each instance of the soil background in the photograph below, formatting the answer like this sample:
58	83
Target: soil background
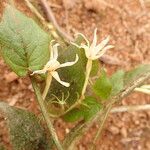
128	24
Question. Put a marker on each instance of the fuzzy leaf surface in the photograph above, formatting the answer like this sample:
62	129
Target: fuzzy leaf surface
24	129
24	45
103	86
135	73
73	115
90	107
117	81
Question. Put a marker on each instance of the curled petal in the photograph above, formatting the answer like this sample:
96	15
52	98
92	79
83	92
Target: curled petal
38	72
69	63
56	76
75	44
88	43
102	45
85	47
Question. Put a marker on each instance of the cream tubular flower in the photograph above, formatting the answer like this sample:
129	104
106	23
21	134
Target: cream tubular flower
94	51
52	65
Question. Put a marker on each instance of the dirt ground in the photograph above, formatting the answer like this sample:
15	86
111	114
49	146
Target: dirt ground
128	24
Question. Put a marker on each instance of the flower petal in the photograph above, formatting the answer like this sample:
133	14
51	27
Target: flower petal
93	45
102	45
51	49
69	63
38	72
55	51
102	52
56	76
86	49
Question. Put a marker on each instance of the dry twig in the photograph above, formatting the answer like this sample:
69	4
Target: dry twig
42	19
130	108
51	18
106	58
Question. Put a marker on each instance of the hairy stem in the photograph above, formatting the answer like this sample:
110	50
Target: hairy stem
106	113
47	86
76	133
45	114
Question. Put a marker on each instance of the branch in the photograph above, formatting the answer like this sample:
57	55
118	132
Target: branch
127	91
130	108
45	114
42	19
75	136
51	18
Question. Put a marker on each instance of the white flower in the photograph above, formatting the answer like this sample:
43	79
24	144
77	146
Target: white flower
94	51
52	65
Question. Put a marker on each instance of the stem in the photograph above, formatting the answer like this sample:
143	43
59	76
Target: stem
88	71
51	18
34	10
45	114
48	84
46	24
98	134
76	133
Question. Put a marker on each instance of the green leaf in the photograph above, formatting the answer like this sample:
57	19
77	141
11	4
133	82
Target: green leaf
24	45
75	75
102	86
87	110
90	107
25	131
73	115
132	75
117	81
